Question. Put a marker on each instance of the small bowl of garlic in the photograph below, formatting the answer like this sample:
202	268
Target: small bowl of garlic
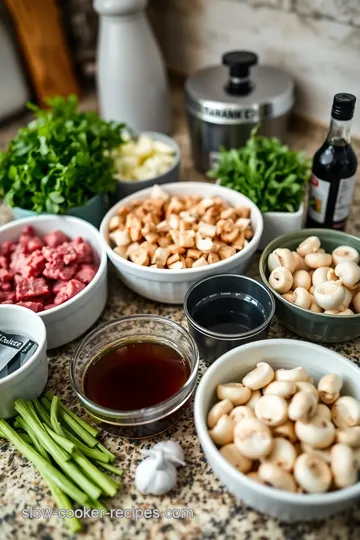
144	160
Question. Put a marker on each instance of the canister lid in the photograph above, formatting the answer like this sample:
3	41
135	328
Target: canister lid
239	91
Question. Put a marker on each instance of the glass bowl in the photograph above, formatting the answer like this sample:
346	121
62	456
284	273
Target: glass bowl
149	421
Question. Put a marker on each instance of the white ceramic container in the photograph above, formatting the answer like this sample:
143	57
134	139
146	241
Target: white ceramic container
170	286
279	223
29	380
70	320
279	353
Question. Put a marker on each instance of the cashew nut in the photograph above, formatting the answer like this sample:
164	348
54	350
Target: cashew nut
345	253
253	438
283	454
223	432
356	302
322	454
317	260
254	475
322	411
302	279
346	412
286	258
237	393
284	389
220	408
324	273
309	245
286	430
312	473
231	453
255	396
302	406
272	410
304	386
349	273
343	465
349	436
281	279
318	432
295	375
276	477
259	377
238	413
302	298
329	388
329	295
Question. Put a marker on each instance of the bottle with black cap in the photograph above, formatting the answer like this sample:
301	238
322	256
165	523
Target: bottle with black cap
334	169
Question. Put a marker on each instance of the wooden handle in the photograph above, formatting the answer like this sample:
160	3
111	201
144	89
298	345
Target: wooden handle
38	25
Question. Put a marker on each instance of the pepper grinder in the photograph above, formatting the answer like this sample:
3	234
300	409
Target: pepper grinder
131	79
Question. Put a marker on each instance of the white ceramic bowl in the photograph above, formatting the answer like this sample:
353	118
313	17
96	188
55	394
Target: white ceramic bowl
68	321
29	380
170	286
279	353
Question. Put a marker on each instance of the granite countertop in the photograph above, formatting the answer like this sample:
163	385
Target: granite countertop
216	513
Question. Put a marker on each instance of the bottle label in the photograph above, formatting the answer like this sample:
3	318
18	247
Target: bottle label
344	198
319	195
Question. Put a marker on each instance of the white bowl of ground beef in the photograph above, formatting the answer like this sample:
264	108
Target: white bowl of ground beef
61	274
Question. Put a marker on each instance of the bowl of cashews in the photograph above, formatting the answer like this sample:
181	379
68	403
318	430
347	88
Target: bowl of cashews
279	423
314	275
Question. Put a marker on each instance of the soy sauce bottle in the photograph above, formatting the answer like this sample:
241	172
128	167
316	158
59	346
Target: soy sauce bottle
334	168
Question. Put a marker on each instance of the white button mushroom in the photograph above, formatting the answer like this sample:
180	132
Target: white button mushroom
318	432
317	260
356	302
315	308
325	455
309	245
322	411
273	261
237	393
348	299
255	396
232	454
259	377
285	430
220	408
276	477
295	375
300	261
302	406
243	411
345	312
312	473
343	465
302	297
223	432
329	388
284	389
304	386
346	412
302	279
253	438
289	296
329	295
349	273
283	454
286	258
281	279
344	254
272	410
349	436
324	273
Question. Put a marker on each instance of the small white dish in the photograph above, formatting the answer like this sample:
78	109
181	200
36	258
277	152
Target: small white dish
30	379
279	353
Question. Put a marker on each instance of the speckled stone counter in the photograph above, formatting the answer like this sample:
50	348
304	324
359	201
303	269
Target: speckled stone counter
216	514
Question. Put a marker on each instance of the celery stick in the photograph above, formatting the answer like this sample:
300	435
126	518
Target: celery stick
111	468
42	412
61	441
62	501
25	437
54	417
65	418
92	453
97	504
23	425
106	451
107	485
43	466
92	430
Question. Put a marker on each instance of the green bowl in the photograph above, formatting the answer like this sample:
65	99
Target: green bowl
307	324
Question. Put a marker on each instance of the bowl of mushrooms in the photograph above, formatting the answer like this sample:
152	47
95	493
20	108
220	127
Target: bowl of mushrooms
279	423
161	240
314	275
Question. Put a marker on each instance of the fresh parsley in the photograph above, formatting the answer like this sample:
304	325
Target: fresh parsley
60	160
267	171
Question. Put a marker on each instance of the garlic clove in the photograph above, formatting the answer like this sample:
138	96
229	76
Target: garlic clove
172	451
155	475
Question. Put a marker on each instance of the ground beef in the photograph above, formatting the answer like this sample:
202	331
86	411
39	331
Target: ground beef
31	288
55	239
85	273
34	306
67	291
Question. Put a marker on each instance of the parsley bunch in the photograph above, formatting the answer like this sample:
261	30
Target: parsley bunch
60	160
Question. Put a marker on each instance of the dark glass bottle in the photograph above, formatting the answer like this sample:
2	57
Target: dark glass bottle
334	168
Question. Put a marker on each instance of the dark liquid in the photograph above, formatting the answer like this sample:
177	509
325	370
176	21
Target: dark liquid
135	376
333	163
234	313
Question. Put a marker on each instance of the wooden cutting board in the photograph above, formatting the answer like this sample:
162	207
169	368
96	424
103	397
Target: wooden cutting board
42	40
